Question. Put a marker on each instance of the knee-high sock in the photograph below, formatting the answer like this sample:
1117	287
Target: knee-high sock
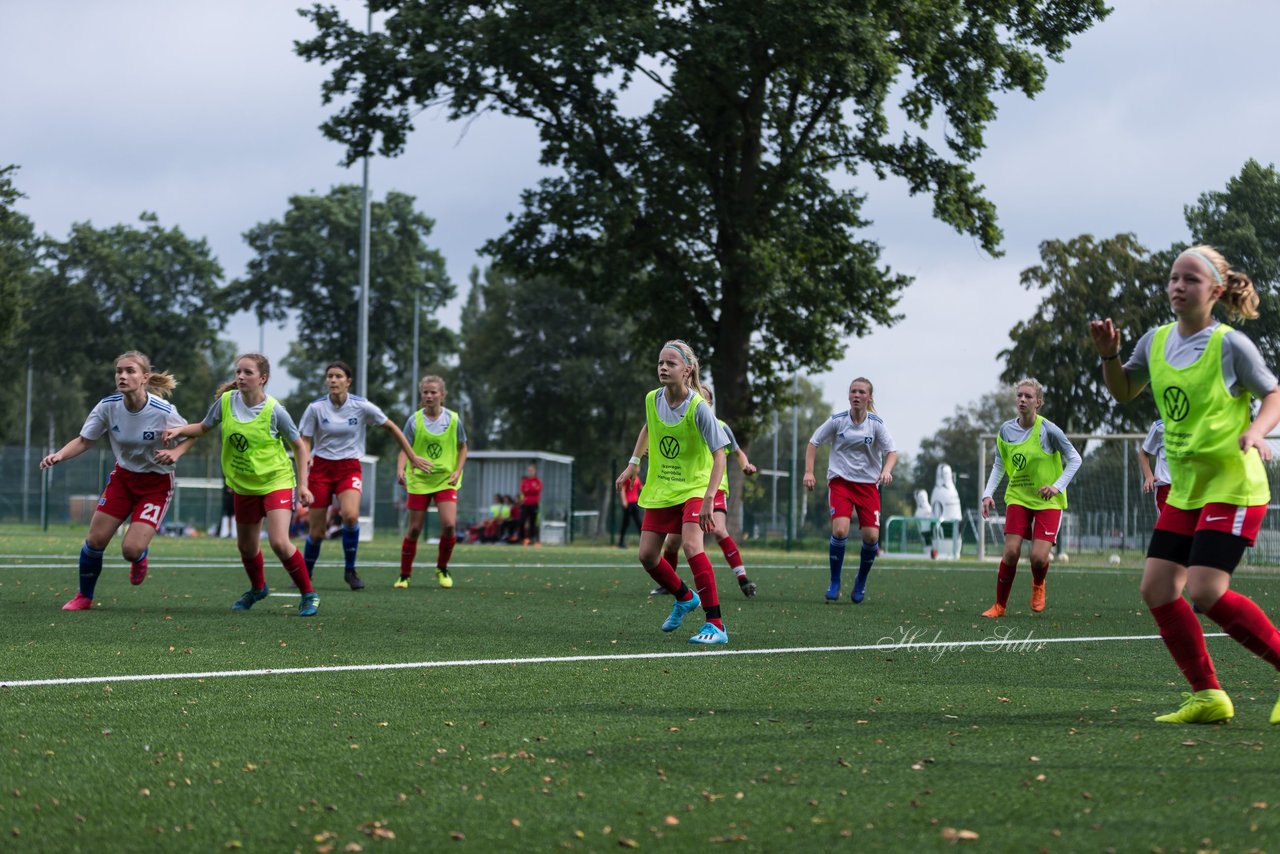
867	556
733	556
1038	572
310	553
408	551
296	566
90	569
141	562
1247	624
445	551
704	577
836	557
1004	581
253	568
350	543
1182	635
667	579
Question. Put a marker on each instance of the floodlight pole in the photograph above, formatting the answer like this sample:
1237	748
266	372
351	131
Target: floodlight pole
362	359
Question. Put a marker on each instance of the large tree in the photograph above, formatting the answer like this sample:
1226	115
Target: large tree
1084	279
18	257
101	292
307	265
707	196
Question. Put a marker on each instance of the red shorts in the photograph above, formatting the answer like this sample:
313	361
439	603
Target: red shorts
1032	524
422	500
1162	495
137	496
671	520
1244	522
721	502
845	495
328	478
250	509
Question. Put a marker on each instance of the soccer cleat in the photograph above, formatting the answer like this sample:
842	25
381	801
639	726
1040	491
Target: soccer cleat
309	605
353	580
138	570
1209	706
1275	713
402	583
996	610
245	602
859	588
678	612
445	579
833	593
1037	597
748	588
79	602
709	635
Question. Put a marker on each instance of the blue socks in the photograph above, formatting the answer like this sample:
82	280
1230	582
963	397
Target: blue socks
90	569
350	542
837	563
865	558
310	554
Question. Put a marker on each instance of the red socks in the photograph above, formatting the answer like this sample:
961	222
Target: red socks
1247	624
296	566
1182	635
731	553
445	552
1004	582
665	576
704	577
253	568
408	551
1038	573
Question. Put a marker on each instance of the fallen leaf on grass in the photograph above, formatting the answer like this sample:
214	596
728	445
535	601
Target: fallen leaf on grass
457	835
353	847
953	835
733	837
376	830
624	842
672	821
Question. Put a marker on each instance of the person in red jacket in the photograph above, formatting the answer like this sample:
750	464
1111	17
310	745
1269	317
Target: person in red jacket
530	504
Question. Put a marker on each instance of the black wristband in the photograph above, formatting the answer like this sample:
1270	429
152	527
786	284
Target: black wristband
1111	358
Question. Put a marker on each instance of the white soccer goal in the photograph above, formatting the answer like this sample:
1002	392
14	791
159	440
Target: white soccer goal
1107	511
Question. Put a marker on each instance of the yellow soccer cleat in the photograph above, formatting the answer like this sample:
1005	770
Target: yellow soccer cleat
402	583
1210	706
445	579
1275	713
1037	597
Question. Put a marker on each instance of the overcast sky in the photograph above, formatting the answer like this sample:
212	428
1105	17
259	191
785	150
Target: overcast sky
200	112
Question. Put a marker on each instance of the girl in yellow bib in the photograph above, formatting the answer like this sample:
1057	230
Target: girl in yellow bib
1040	461
1202	374
686	463
260	475
436	434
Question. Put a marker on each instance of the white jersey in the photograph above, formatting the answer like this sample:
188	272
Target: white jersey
1154	446
339	431
134	436
857	449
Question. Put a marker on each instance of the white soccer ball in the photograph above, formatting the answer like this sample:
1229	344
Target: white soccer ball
1114	560
1064	558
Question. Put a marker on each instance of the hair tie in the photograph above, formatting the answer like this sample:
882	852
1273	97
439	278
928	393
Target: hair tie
1217	277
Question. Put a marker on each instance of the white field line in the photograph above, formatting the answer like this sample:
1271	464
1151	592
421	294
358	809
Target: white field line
1026	644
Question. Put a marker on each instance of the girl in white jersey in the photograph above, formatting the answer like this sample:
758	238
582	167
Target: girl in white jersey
1202	375
686	462
335	426
260	475
1040	462
141	483
1155	475
862	460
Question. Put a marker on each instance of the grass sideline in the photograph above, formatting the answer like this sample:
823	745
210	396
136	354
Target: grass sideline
904	723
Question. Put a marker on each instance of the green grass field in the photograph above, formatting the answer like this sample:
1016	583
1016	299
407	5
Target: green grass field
537	706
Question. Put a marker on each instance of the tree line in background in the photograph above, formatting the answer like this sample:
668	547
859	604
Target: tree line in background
537	362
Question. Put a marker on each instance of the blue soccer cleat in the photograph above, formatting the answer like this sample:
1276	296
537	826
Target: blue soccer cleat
245	602
859	587
678	612
309	605
709	635
833	592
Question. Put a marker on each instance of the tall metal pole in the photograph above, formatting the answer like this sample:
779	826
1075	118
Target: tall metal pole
26	440
362	368
413	395
795	449
773	503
